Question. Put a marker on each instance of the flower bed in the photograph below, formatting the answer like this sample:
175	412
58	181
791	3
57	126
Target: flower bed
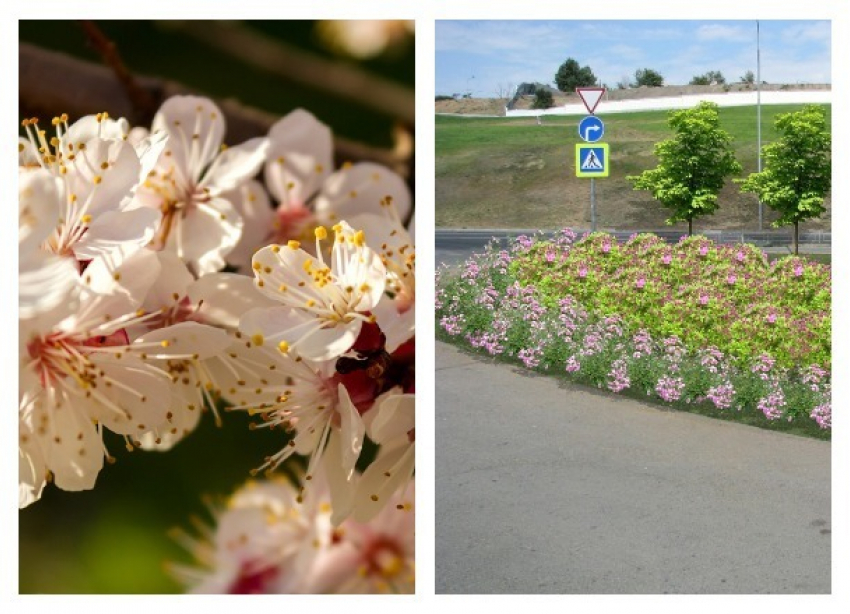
704	326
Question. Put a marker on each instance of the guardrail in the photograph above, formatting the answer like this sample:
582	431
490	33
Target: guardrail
761	239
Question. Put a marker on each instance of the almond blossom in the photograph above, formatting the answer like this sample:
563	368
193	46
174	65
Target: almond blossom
265	540
90	173
300	177
323	307
80	373
186	186
270	538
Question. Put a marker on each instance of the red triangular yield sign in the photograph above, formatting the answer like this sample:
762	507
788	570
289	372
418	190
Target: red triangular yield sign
590	96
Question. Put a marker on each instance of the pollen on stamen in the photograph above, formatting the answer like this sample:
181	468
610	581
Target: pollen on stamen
292	244
283	346
258	339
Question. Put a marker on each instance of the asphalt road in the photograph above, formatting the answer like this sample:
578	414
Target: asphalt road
546	487
454	245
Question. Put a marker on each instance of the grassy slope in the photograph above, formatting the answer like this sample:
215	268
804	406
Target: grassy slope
512	173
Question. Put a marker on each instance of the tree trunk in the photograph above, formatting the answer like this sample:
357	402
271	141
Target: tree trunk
796	238
690	228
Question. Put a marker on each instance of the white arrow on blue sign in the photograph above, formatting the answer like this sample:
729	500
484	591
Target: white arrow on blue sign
591	129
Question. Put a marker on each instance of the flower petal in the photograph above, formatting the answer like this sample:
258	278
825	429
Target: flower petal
226	298
40	204
116	235
72	447
183	117
300	158
391	470
396	416
235	165
102	175
45	283
205	235
351	432
171	285
32	470
252	203
138	400
186	338
360	189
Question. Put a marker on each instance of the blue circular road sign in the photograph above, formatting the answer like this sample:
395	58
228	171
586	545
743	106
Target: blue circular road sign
591	129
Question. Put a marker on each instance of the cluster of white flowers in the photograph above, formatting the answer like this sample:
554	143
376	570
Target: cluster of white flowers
128	324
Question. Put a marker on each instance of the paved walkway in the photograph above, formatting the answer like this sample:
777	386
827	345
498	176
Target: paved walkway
545	487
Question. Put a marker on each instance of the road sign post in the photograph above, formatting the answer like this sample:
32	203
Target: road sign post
591	160
592	205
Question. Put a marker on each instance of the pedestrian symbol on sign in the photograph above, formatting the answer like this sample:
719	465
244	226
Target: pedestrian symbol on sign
591	162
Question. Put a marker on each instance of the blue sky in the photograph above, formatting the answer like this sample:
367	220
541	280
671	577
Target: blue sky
481	56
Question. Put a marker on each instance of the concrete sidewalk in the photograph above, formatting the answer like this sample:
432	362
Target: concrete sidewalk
545	487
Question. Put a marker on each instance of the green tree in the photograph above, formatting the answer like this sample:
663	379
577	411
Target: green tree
797	169
692	166
710	78
715	76
542	99
748	77
648	77
570	76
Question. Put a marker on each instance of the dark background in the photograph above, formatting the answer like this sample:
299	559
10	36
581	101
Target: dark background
115	538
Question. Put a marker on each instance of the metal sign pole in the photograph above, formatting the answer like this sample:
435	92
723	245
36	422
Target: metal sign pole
592	205
758	115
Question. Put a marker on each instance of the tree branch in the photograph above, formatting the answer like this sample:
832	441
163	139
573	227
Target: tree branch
52	83
336	78
143	102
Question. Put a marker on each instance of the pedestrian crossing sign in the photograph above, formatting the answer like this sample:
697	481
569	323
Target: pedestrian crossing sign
592	160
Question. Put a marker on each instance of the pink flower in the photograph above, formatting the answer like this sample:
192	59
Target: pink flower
582	271
640	283
740	255
667	258
771	318
798	270
703	298
731	279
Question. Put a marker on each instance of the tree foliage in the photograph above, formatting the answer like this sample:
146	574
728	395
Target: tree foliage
748	77
692	166
542	99
570	76
648	77
797	168
712	77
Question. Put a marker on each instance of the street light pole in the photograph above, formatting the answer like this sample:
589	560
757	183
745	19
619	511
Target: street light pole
758	114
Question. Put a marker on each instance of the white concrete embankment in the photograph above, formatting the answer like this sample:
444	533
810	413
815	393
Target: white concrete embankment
737	99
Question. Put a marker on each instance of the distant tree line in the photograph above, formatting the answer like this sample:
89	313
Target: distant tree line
571	75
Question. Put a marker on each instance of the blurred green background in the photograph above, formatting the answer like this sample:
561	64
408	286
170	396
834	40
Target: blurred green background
114	539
